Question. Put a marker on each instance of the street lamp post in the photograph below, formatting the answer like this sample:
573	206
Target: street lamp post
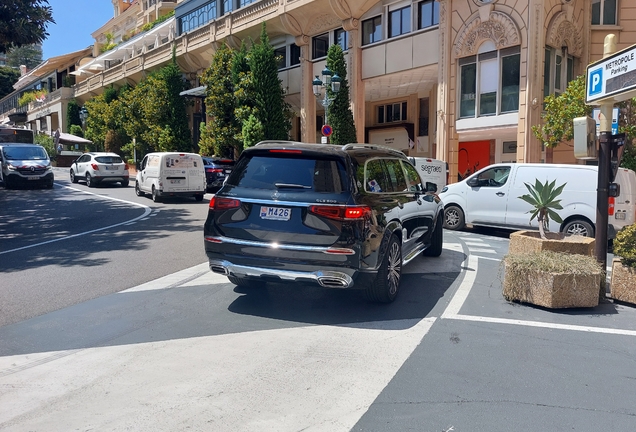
83	116
329	80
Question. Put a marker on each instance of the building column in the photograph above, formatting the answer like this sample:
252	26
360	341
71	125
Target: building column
529	148
356	84
307	98
446	139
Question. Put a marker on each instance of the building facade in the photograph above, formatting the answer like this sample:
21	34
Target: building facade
460	80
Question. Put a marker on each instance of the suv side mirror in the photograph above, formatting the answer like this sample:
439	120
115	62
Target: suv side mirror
431	187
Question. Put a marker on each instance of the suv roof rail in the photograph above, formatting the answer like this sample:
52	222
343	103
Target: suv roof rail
372	146
276	142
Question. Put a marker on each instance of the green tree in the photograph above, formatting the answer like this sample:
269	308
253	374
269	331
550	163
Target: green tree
340	114
28	55
8	77
23	22
219	136
269	96
252	131
559	113
73	114
76	130
47	142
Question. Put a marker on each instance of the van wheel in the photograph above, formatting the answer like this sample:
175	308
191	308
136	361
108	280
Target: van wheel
454	218
155	195
138	191
73	177
89	181
386	284
437	240
198	198
578	227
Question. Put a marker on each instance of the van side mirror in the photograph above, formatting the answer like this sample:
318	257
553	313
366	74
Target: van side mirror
431	187
472	182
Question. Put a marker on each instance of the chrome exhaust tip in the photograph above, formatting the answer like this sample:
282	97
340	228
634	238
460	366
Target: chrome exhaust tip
217	268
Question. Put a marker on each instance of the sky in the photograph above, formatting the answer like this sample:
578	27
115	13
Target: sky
75	20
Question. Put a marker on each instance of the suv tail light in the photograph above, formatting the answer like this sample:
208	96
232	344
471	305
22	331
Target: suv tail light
126	166
95	166
340	212
610	206
214	170
286	151
219	203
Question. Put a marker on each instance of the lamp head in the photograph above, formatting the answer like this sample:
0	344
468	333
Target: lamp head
317	84
326	75
335	83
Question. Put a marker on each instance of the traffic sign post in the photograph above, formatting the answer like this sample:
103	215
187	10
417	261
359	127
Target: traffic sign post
326	132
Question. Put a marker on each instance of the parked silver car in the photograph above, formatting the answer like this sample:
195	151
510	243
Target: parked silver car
99	167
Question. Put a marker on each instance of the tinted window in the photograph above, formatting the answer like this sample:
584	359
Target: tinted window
413	180
16	136
108	159
375	177
396	175
25	153
262	172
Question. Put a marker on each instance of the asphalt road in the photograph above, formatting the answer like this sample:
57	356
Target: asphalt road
73	243
181	348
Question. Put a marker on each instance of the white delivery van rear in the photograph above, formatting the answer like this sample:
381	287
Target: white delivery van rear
171	174
431	170
622	209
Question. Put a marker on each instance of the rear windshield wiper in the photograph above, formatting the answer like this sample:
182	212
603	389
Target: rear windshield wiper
291	186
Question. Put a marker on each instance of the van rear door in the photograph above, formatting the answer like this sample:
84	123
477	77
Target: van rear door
183	172
625	203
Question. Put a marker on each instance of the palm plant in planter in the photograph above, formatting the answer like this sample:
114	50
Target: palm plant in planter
623	282
550	270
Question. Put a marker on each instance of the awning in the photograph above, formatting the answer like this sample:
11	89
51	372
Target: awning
68	138
195	92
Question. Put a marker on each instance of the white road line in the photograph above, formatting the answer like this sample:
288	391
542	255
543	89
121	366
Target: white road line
555	326
462	292
147	211
492	251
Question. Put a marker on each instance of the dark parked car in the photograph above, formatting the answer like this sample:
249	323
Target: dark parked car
340	216
216	169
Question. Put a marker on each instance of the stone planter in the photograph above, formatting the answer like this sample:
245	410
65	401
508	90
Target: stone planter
623	282
551	290
522	242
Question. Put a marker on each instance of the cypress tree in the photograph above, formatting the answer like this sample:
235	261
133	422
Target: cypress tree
271	109
340	114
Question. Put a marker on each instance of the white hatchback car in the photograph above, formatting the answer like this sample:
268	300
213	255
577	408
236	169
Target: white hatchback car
98	167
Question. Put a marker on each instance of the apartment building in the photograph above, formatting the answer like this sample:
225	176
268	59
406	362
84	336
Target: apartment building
460	80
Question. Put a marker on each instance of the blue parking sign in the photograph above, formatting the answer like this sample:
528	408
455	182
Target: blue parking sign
595	86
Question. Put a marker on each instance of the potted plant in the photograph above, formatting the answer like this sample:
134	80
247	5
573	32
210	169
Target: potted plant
550	269
543	197
623	281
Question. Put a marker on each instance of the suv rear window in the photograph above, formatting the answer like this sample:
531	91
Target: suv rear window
318	175
108	159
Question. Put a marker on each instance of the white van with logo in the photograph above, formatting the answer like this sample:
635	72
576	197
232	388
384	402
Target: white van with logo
164	174
490	197
431	170
622	209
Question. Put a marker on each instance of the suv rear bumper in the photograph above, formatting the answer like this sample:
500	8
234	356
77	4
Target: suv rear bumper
327	279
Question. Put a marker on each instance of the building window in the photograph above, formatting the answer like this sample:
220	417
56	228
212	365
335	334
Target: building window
372	30
558	71
423	118
428	14
489	83
399	21
294	54
226	7
395	112
281	55
604	12
197	18
341	37
319	46
245	2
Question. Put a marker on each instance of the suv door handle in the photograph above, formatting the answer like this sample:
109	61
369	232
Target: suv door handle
500	194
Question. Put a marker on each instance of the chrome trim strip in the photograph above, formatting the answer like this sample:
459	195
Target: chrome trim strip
410	257
270	202
324	278
269	245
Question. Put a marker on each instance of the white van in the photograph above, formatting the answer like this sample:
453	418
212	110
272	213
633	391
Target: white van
490	197
171	174
622	209
431	170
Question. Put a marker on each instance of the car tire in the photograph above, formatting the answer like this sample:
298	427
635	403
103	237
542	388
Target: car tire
125	183
437	240
49	185
454	218
578	227
386	284
73	177
155	195
138	191
198	197
246	283
89	181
